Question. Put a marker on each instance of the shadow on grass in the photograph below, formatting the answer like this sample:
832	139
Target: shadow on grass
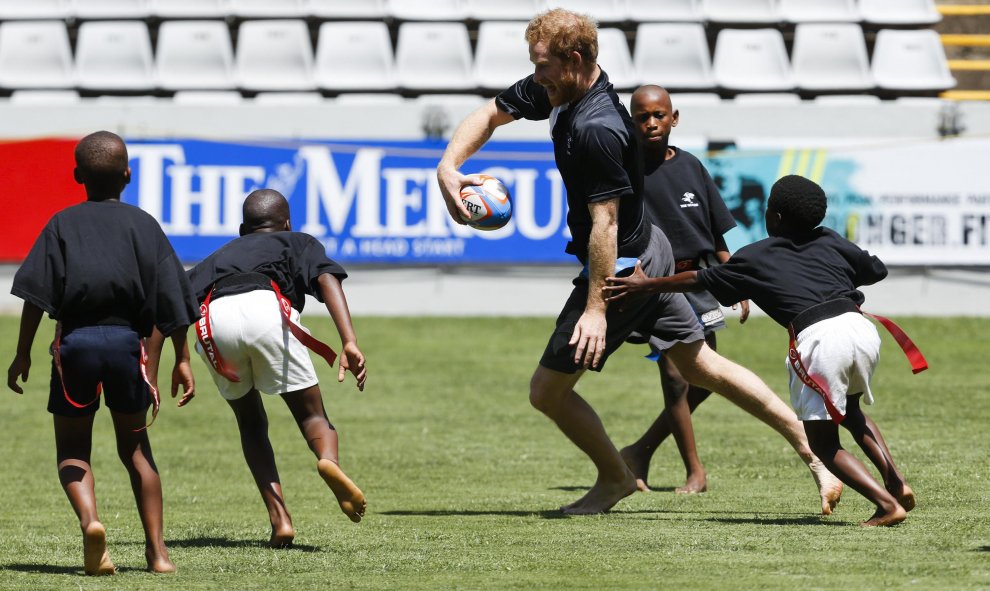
548	514
52	569
215	542
982	549
802	520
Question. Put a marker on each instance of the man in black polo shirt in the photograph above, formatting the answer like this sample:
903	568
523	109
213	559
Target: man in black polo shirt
599	160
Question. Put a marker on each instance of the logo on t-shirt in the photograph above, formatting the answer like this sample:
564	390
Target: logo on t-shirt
688	200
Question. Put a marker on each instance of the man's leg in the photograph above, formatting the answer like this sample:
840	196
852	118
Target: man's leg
73	444
551	392
703	367
134	451
307	409
252	422
823	437
868	437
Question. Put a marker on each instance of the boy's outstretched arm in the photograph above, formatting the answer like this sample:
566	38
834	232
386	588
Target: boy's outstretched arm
351	358
21	365
639	282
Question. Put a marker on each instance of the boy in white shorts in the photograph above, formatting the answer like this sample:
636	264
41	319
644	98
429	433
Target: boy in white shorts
805	278
252	290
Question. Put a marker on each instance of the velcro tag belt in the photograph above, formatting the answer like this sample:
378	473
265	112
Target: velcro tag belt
204	334
142	361
831	309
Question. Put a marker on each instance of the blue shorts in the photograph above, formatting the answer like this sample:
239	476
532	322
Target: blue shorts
91	355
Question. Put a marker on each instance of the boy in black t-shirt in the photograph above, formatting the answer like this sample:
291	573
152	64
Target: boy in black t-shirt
805	278
252	290
105	271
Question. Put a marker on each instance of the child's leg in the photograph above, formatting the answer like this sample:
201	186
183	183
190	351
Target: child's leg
307	409
867	435
134	450
73	443
823	437
252	422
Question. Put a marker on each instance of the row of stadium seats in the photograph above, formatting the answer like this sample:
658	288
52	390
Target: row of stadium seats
879	12
277	55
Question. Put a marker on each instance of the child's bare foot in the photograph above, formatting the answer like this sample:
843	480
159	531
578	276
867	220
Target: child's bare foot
602	497
639	468
904	495
886	518
96	559
696	483
349	496
282	536
829	487
158	562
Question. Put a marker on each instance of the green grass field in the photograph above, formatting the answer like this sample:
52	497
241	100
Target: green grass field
463	478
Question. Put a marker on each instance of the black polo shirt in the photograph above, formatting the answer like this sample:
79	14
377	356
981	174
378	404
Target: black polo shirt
598	155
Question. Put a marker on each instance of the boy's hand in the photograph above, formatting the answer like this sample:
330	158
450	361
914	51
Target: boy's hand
352	360
619	287
20	366
182	374
743	310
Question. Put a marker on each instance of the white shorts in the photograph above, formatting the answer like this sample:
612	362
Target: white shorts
252	340
841	352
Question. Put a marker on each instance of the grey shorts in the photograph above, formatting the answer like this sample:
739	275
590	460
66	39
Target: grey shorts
666	318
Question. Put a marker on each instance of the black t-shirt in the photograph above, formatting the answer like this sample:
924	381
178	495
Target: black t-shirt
293	259
683	201
786	276
598	155
107	262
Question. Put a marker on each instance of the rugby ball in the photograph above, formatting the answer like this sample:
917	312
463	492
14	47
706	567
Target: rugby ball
489	203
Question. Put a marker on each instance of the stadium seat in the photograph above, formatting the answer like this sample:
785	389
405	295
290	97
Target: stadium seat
673	55
189	8
614	58
44	97
666	11
485	10
111	9
742	11
207	97
752	60
426	10
35	9
434	56
502	55
274	55
910	60
463	101
289	98
830	57
694	98
370	99
346	9
355	56
766	98
919	13
604	11
848	100
266	8
35	54
820	11
114	55
194	55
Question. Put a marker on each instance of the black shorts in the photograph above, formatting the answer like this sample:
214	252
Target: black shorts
666	318
92	355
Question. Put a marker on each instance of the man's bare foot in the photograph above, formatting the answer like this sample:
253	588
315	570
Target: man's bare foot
349	496
158	562
602	497
96	559
696	483
904	495
886	518
282	536
829	487
639	468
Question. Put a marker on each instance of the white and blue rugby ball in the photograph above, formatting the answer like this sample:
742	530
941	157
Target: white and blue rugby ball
489	203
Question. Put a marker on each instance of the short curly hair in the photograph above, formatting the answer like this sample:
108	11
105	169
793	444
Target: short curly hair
564	31
800	202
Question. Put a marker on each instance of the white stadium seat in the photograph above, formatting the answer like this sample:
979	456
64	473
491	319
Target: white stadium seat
355	56
919	13
369	99
195	55
189	8
35	54
910	60
289	98
614	58
752	60
114	55
666	11
742	11
274	55
830	57
44	97
847	100
207	97
767	98
694	98
34	9
111	9
502	55
434	56
485	10
604	11
673	55
820	11
345	9
266	8
426	10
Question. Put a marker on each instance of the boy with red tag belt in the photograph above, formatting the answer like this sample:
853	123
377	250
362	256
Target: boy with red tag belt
105	271
805	278
252	290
